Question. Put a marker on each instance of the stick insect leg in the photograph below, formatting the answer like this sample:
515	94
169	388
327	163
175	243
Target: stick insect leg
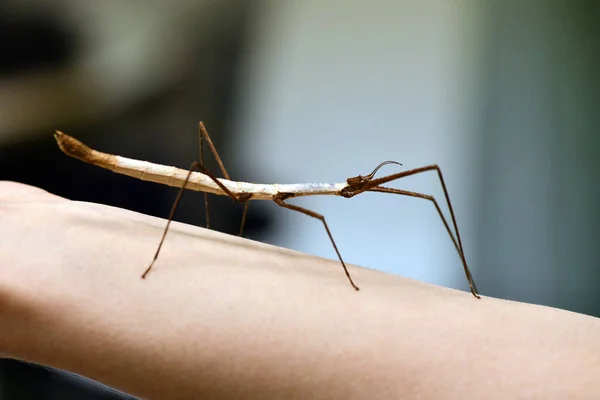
384	189
203	133
201	154
372	183
281	202
244	215
196	165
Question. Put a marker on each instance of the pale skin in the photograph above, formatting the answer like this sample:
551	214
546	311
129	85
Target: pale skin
225	317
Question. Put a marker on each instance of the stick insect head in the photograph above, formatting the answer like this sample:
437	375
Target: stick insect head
356	183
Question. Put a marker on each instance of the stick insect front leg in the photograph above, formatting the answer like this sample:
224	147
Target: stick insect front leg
280	201
383	189
199	166
360	184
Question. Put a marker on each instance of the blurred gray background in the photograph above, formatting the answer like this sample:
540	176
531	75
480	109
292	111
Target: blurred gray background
503	95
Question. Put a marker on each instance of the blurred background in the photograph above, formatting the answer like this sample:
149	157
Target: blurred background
503	95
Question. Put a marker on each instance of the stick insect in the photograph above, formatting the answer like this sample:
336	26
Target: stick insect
242	192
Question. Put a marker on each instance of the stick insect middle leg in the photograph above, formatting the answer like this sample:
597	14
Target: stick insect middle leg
280	201
199	165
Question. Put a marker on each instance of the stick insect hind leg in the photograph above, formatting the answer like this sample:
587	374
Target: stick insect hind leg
203	134
199	165
360	184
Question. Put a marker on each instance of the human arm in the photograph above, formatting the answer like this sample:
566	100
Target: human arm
224	317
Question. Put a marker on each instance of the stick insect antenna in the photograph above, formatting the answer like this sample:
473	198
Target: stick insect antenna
372	174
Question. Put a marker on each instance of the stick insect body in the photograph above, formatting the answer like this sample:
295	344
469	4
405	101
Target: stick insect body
243	192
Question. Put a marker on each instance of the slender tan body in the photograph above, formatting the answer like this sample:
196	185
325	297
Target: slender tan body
173	176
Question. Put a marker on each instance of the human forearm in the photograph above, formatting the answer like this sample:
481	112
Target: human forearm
222	316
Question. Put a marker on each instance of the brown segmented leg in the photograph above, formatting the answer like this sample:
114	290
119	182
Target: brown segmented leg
370	184
203	133
459	249
280	201
199	165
